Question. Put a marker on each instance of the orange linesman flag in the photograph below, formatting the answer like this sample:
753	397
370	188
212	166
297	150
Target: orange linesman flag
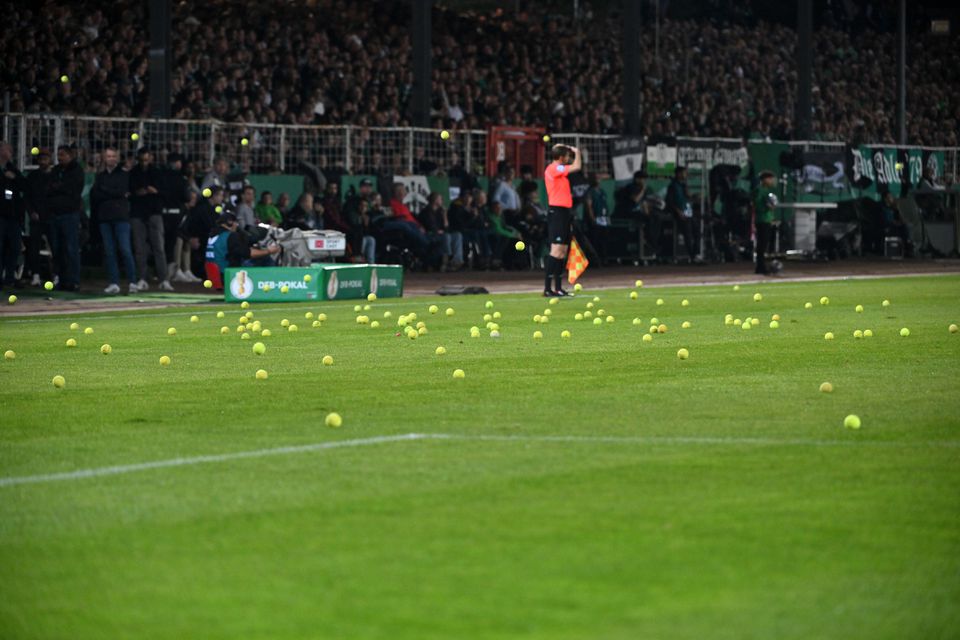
577	263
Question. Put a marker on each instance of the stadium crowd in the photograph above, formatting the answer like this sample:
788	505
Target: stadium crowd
336	62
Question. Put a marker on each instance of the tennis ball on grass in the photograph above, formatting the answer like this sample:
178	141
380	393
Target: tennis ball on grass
808	305
633	295
852	422
774	324
684	303
88	331
904	332
244	305
659	302
565	335
953	328
433	308
262	374
885	303
440	350
71	342
224	330
333	420
265	333
9	354
826	387
828	335
647	337
244	336
488	304
683	354
327	361
685	325
259	348
578	316
59	381
106	349
74	326
858	308
459	374
757	297
172	331
857	334
194	319
824	300
164	360
220	314
538	335
867	333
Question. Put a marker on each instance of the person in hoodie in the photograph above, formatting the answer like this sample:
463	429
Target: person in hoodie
108	197
64	201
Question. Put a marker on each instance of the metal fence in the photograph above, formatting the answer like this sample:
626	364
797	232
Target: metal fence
271	148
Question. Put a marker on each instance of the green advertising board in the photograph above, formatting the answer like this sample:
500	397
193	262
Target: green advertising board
325	282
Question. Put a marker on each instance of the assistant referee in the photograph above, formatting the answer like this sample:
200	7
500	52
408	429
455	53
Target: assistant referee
566	160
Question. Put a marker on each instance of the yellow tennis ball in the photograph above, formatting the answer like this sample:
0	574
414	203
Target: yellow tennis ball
88	331
64	79
106	349
546	137
265	333
578	287
459	374
172	331
207	284
164	360
244	305
852	422
194	319
71	342
48	285
244	141
647	337
224	330
826	387
685	325
9	354
904	332
440	351
757	297
565	335
327	361
444	135
12	299
824	300
953	328
683	354
262	374
520	246
207	192
333	420
134	136
35	151
59	382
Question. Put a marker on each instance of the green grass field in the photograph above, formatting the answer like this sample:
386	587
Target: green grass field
591	488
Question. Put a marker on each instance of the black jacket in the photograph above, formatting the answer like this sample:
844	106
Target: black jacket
148	204
65	189
173	189
38	182
108	196
11	193
201	220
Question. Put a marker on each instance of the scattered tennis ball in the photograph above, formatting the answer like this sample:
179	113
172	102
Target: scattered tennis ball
538	335
647	337
34	151
590	305
546	312
433	309
164	360
653	329
596	298
546	138
333	420
220	314
194	319
885	303
244	336
661	328
207	284
322	317
904	332
857	334
578	287
12	299
106	349
265	333
685	325
520	246
293	328
659	302
440	350
808	305
327	361
610	320
259	348
578	316
74	326
262	374
776	317
88	331
9	354
684	303
172	331
858	308
736	287
207	192
284	289
867	333
474	332
285	323
244	142
224	330
828	335
852	422
488	304
449	311
598	321
824	300
59	382
683	354
737	322
746	326
444	135
953	328
638	284
459	374
244	305
565	334
826	387
774	324
757	297
134	136
633	295
48	285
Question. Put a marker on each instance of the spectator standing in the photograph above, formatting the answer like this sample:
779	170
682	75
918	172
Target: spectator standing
504	193
36	200
476	232
764	202
146	220
12	208
175	192
500	233
109	199
65	203
202	218
364	224
597	216
678	204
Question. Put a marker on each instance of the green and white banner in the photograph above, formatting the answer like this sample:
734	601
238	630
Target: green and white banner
325	282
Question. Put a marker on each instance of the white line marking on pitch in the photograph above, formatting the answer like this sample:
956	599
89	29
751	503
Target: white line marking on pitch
81	474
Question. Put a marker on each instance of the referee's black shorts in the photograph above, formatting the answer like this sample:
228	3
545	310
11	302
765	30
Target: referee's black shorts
559	220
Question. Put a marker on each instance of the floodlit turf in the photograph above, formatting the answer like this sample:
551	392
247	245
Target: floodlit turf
637	495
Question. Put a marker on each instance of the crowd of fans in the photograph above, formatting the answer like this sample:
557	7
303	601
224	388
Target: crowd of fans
340	62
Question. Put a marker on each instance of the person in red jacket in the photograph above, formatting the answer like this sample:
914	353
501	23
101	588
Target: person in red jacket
566	160
401	219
